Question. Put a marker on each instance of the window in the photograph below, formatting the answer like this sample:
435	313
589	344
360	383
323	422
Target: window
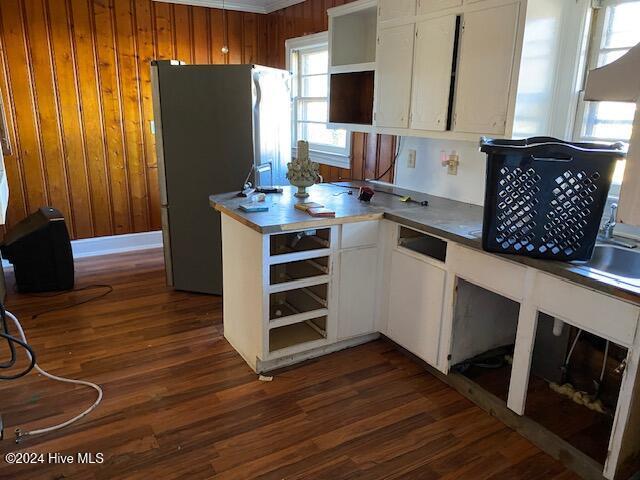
308	61
615	31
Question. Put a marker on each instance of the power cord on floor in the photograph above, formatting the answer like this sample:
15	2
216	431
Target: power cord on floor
23	342
75	304
11	340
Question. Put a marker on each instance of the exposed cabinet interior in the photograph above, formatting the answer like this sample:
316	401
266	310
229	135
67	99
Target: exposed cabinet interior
393	78
433	66
306	240
299	300
422	243
487	47
586	422
297	334
301	269
484	335
353	37
351	99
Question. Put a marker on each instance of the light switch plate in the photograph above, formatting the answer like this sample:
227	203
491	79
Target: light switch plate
411	159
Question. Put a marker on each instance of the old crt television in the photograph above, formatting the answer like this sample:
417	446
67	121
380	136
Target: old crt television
40	251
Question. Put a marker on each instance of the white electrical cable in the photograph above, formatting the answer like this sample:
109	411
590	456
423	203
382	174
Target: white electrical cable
604	362
573	346
41	431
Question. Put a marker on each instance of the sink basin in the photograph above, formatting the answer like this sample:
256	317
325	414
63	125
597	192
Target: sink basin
619	263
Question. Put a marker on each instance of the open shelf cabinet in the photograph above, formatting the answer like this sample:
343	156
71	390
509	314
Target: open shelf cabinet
297	334
351	100
352	56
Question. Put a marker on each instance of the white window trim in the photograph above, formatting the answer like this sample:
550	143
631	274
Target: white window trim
594	39
317	154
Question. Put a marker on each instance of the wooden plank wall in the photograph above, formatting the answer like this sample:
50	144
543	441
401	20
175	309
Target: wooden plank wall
76	82
372	155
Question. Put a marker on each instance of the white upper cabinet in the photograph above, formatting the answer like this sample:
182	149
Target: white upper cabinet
355	34
487	51
392	9
428	6
394	62
433	60
458	69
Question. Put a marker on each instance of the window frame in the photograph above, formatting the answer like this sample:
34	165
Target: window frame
594	48
324	154
594	39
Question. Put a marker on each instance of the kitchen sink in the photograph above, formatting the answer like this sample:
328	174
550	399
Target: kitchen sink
619	263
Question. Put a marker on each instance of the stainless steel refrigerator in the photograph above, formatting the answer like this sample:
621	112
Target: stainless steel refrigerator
213	123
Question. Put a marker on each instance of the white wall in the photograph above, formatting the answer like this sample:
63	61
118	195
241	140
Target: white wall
431	177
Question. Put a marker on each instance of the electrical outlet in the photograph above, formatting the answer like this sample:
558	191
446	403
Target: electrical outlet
411	159
452	164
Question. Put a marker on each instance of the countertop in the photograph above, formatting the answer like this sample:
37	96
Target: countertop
450	219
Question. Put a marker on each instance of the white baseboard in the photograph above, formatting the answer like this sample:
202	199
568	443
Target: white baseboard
92	247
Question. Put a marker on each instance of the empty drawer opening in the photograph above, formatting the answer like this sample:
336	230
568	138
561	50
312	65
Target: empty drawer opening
297	334
300	300
574	385
300	241
422	243
484	335
289	272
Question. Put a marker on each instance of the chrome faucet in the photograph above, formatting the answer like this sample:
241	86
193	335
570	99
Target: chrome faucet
607	229
609	226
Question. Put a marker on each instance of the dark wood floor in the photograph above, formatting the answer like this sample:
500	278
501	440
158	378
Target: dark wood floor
180	403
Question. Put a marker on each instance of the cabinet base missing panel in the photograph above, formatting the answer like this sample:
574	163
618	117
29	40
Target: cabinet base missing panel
264	366
544	439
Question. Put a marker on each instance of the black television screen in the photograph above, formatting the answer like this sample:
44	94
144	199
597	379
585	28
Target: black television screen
40	250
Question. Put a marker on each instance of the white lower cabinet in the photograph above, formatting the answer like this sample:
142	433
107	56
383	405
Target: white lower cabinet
357	292
416	292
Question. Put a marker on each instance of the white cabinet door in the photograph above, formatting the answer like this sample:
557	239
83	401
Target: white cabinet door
357	292
432	66
394	62
391	9
484	74
416	294
428	6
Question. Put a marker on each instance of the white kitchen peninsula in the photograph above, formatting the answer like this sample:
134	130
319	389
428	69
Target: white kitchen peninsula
298	287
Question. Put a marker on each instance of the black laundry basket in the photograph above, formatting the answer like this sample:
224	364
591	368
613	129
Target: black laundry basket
544	197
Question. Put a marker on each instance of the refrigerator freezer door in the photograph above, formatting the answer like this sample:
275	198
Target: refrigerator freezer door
207	147
166	244
272	122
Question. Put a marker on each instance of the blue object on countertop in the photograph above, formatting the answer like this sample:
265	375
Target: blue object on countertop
254	207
